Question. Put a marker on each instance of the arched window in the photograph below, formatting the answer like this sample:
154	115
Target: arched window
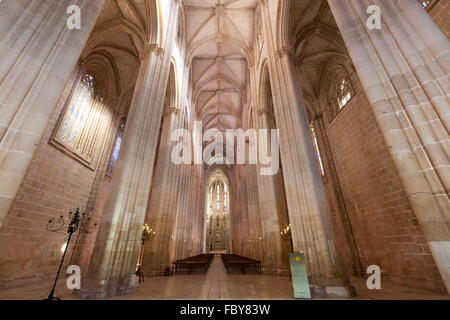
225	197
345	92
211	198
340	92
116	149
81	124
218	196
218	211
78	111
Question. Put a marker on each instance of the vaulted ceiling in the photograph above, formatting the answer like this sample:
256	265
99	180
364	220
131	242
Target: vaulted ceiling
317	42
219	35
112	51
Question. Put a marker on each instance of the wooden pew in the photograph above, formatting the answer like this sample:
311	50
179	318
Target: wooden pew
235	261
188	265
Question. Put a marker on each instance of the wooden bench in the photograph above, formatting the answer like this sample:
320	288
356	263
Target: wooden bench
188	265
234	261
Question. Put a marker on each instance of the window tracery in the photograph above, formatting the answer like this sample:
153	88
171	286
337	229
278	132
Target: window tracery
340	92
81	124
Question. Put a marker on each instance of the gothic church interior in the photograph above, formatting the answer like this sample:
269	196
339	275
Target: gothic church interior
356	125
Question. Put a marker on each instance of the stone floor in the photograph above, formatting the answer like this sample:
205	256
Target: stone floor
217	284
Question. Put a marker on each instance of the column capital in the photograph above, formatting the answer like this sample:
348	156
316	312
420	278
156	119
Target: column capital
261	111
150	48
169	110
287	50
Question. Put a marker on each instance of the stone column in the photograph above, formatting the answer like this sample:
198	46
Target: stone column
162	211
309	215
193	229
117	245
404	70
116	250
254	218
38	54
187	230
196	210
84	242
244	228
183	221
273	260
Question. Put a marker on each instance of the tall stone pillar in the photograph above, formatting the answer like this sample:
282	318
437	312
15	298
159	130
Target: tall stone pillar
309	215
404	70
38	54
162	212
273	260
186	229
185	222
116	250
244	228
254	218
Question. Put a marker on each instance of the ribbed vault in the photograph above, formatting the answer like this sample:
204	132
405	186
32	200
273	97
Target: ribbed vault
219	36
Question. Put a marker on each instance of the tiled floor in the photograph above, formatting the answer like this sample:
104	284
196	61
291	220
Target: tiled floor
217	284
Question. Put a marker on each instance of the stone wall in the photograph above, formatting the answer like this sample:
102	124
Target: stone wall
54	183
386	230
439	12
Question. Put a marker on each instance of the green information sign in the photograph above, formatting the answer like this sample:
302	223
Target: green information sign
299	276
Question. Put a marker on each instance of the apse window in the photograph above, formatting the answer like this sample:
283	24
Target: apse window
218	197
225	197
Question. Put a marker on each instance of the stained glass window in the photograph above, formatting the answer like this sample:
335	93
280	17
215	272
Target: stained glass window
218	196
341	90
79	110
217	214
116	150
225	196
211	198
82	119
345	93
316	145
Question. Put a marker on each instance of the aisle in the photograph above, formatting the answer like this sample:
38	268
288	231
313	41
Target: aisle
216	285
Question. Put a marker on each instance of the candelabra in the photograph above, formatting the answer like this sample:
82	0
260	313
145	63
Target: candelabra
74	221
147	233
286	233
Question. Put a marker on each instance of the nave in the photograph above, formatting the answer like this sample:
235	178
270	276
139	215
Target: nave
155	122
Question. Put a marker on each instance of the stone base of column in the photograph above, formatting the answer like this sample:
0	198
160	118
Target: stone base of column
98	289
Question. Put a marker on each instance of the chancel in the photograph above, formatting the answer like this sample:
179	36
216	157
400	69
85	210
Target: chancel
214	142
